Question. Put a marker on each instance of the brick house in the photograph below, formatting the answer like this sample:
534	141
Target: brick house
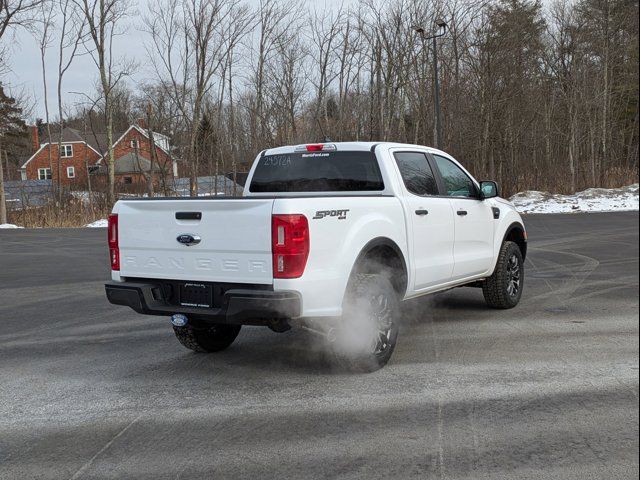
80	156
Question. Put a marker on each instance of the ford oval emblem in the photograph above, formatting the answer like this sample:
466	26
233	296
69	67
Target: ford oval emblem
188	239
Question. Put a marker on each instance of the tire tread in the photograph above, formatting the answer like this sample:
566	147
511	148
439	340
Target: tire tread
493	288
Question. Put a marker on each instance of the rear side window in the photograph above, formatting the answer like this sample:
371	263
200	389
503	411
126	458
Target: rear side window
457	183
317	172
416	173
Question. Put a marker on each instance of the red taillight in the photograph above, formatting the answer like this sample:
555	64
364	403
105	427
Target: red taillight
316	147
112	235
289	245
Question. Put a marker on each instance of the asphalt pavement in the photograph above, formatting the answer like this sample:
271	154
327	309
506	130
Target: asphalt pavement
548	390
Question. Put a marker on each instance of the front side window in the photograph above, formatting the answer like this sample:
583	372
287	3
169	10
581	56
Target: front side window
322	171
66	151
456	181
44	174
416	173
71	172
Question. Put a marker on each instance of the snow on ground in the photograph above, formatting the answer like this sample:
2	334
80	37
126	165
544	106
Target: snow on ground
102	223
8	225
590	200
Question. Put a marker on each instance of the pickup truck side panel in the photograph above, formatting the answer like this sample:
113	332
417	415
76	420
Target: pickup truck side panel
336	241
474	237
508	217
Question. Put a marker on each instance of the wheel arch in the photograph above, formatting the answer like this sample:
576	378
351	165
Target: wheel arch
516	233
382	251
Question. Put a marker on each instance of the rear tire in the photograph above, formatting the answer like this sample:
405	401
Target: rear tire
368	332
210	339
503	289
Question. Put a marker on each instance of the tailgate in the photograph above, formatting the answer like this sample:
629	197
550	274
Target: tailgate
235	240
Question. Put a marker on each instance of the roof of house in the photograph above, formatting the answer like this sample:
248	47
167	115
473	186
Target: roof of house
132	163
97	141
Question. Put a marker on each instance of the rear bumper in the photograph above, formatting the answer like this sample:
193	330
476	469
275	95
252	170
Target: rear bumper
239	306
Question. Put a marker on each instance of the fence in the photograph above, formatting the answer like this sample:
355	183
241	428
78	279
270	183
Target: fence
207	186
21	194
27	193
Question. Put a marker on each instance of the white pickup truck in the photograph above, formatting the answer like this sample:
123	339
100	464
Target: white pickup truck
330	237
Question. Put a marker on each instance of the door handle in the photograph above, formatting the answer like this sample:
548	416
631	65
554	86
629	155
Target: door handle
422	212
462	213
188	215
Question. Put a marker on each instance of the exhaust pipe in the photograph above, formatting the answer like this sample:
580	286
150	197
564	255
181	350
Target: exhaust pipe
330	334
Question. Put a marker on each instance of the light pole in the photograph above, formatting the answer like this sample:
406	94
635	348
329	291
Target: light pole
440	31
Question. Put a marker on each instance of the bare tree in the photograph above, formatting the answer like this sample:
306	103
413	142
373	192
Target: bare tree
15	14
103	22
324	32
533	95
45	37
288	85
18	13
71	36
273	20
152	150
186	48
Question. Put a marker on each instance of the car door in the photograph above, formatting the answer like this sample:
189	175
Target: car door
473	217
429	220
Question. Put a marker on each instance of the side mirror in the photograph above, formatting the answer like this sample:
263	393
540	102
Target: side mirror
488	189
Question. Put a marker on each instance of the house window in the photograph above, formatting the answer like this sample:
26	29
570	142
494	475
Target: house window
71	172
135	144
44	174
66	151
128	180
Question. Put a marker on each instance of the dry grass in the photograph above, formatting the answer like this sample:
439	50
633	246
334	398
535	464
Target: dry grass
69	213
614	177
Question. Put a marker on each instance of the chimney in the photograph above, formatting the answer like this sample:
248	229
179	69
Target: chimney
35	138
142	123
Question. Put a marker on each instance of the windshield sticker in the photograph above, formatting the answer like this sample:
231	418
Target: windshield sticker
277	161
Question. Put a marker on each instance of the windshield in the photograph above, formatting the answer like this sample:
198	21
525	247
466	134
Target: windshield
317	172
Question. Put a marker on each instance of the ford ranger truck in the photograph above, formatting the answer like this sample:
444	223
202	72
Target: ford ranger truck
330	237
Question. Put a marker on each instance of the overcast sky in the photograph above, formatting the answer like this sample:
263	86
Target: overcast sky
26	74
26	71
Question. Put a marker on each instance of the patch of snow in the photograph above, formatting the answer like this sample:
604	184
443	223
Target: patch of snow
211	194
80	195
9	225
590	200
102	223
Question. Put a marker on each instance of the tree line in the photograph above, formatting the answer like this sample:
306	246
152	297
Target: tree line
536	96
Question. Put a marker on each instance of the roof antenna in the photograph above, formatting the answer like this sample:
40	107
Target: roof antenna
325	138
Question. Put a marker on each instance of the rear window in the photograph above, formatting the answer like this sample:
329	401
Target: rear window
317	172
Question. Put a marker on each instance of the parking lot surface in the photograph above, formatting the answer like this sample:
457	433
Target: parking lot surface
547	390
